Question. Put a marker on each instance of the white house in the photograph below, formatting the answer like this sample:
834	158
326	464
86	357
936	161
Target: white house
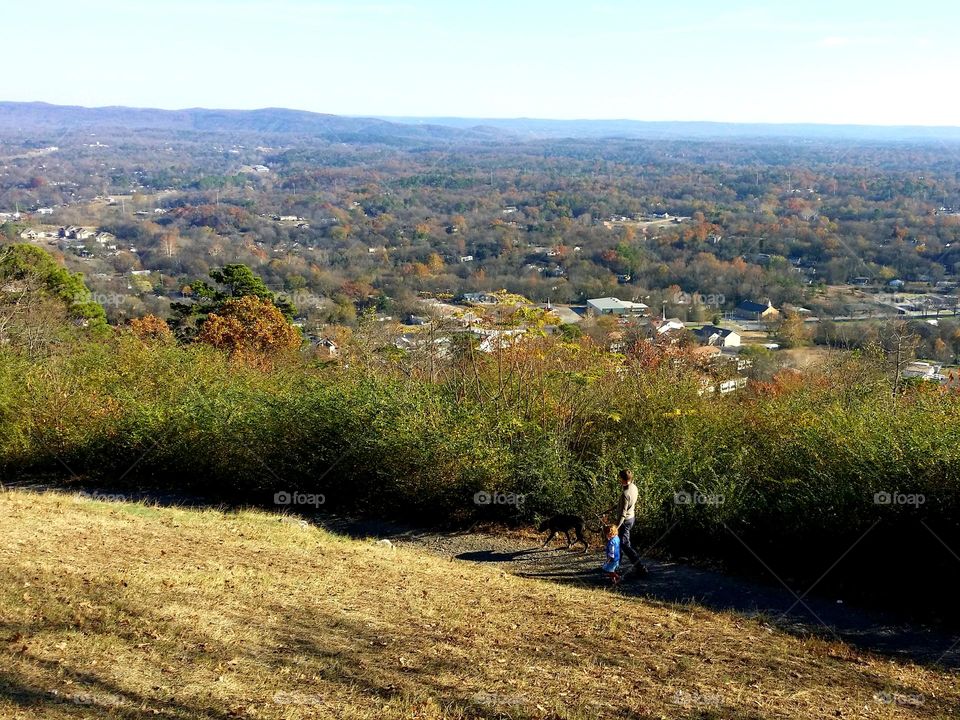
728	386
669	325
480	298
924	371
328	347
718	336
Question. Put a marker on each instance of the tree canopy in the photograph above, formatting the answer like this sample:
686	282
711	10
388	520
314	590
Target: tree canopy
27	267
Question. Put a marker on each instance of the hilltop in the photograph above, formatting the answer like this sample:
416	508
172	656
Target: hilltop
268	121
116	609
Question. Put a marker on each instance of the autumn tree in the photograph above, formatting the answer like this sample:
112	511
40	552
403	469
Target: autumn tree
793	332
151	329
233	282
251	328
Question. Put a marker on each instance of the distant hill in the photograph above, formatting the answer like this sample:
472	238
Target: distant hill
277	121
392	130
551	129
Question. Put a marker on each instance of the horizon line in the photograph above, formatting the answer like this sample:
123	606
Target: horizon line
484	118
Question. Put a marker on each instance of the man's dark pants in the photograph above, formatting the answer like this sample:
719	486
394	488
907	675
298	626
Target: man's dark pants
625	547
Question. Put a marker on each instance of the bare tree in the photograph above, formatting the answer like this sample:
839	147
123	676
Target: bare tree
899	344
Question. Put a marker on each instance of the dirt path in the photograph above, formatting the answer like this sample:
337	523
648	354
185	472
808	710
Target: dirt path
671	582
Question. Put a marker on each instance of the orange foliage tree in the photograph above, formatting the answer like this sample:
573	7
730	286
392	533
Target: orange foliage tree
151	328
250	327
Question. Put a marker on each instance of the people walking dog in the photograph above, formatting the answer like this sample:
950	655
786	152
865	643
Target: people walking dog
626	517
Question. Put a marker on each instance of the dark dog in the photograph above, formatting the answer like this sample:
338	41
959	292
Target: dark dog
564	523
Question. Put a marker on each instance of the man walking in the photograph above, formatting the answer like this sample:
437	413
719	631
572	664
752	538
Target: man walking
626	518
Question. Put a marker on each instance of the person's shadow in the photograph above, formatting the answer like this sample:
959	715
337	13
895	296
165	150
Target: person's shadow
497	557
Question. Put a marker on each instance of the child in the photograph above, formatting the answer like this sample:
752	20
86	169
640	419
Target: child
612	566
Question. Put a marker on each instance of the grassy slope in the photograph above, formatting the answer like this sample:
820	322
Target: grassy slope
130	611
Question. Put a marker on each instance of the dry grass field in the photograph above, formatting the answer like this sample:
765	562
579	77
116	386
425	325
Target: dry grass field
124	610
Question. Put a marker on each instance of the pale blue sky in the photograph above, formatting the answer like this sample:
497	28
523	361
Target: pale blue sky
839	61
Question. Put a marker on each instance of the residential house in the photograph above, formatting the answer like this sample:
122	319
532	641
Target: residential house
750	310
616	342
480	298
709	384
924	371
667	325
728	386
706	353
492	339
75	232
718	336
422	342
328	348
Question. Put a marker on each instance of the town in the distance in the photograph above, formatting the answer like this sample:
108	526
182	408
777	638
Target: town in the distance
803	252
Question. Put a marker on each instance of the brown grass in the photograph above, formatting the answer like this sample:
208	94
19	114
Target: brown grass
131	611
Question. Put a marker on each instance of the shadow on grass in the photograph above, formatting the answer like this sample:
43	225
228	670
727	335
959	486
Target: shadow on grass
484	556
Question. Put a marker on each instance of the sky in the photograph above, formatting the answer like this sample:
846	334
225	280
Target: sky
843	61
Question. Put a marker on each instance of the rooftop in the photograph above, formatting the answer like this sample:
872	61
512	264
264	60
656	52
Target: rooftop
612	303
